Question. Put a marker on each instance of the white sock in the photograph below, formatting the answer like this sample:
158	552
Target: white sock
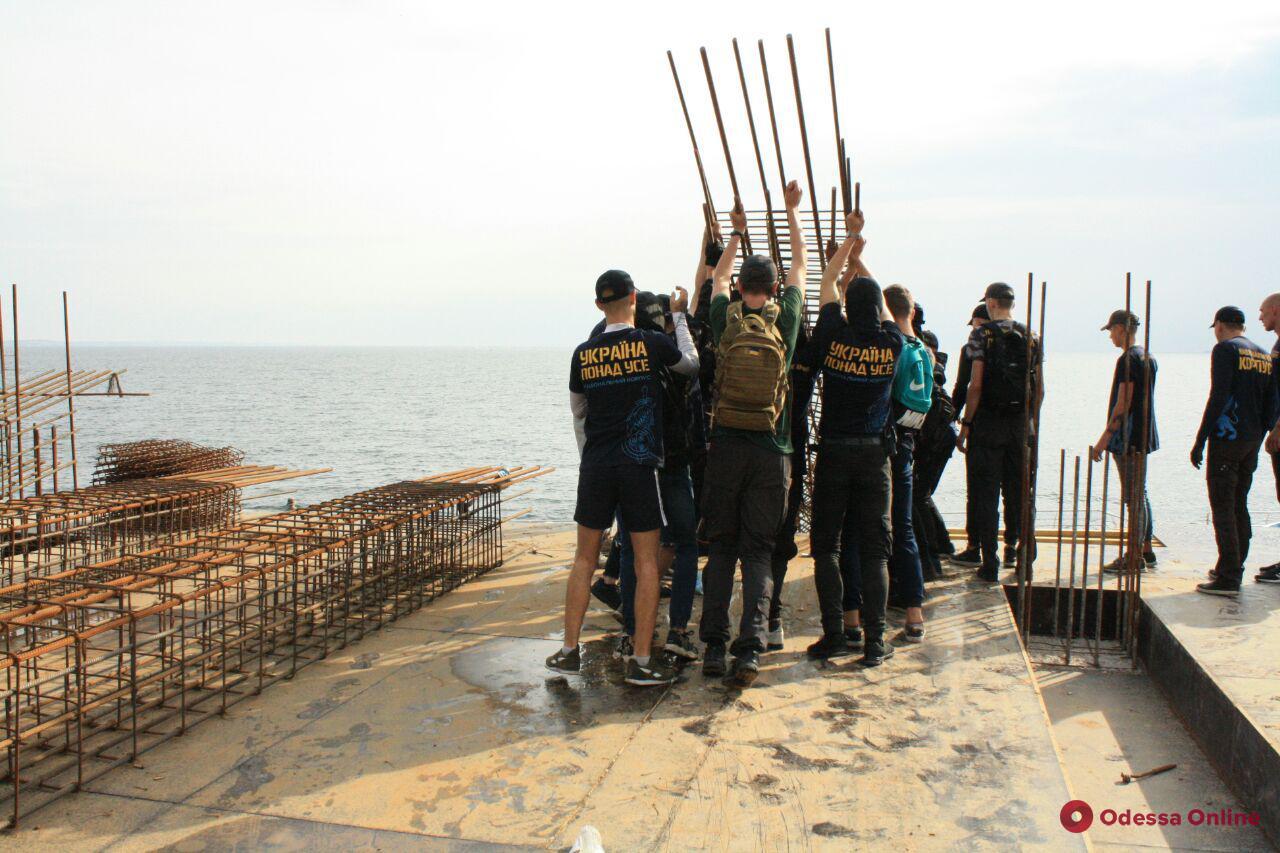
643	661
569	649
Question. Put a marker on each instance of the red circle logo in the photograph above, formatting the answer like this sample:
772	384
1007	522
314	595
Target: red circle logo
1076	816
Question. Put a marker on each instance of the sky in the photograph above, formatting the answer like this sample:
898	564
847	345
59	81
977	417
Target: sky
402	173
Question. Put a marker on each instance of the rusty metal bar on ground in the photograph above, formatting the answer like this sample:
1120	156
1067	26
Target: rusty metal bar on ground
117	656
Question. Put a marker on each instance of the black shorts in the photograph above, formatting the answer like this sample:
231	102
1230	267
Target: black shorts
630	491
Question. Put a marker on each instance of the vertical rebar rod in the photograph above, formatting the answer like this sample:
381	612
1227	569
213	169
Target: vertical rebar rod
724	143
773	116
1057	572
71	404
774	248
693	139
4	392
1140	488
835	114
1026	544
804	143
1071	583
17	389
1102	557
1084	557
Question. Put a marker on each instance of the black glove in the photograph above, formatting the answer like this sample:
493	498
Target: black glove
713	252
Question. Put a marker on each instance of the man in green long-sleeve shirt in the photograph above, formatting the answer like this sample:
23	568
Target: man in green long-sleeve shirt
748	470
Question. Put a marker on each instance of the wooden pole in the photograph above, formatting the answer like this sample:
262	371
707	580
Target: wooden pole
804	141
693	139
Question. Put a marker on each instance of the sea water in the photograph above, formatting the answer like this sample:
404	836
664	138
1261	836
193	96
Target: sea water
381	414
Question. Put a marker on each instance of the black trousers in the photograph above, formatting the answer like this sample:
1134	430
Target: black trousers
852	481
784	548
994	465
744	497
1229	473
932	537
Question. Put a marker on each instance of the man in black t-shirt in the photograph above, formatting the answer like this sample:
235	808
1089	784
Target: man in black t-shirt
857	352
993	432
1240	412
616	400
1132	403
1269	315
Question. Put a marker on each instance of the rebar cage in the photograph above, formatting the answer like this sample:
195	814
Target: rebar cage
110	659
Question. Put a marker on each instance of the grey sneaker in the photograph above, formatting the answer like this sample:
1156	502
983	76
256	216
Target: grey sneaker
653	674
913	632
681	644
563	661
776	638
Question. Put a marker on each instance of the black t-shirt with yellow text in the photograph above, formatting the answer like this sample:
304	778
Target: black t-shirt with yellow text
857	374
617	371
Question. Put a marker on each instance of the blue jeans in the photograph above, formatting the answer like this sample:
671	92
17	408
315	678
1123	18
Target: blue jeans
906	576
676	488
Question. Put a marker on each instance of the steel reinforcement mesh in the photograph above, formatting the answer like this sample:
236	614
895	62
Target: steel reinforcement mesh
111	659
49	534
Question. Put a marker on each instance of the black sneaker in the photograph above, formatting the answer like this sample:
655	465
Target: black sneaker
971	556
746	667
607	594
563	661
829	646
652	674
713	663
913	632
1149	557
680	644
625	650
1010	555
1219	586
1117	565
877	652
664	591
853	638
988	574
775	639
1268	574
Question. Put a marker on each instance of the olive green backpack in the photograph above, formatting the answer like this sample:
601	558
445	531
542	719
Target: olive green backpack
751	371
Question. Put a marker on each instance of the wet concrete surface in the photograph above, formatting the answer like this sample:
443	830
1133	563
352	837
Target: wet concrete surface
445	731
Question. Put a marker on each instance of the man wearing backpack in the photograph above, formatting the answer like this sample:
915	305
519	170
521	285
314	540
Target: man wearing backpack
993	432
748	469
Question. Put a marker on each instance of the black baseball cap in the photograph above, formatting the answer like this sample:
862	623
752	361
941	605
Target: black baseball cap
757	270
1229	314
980	313
614	284
918	322
998	290
1121	317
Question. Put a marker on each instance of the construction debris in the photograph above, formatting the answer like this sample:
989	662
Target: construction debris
1126	778
159	457
107	660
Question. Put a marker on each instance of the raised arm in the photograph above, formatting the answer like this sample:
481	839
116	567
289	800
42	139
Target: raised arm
829	290
723	274
688	363
798	274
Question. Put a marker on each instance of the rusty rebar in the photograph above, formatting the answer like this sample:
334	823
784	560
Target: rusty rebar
804	143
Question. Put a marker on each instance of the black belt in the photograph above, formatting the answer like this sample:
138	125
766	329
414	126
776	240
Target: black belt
853	441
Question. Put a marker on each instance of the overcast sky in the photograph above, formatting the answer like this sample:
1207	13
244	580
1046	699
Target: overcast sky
399	173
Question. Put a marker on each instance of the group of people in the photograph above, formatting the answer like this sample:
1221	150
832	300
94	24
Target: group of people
693	425
693	428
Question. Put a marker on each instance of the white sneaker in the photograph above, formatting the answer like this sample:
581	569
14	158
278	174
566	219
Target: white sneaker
775	638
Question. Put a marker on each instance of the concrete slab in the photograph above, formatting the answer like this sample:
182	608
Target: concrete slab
445	730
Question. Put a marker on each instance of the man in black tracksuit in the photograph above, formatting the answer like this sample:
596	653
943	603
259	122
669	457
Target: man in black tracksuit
1240	411
993	431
